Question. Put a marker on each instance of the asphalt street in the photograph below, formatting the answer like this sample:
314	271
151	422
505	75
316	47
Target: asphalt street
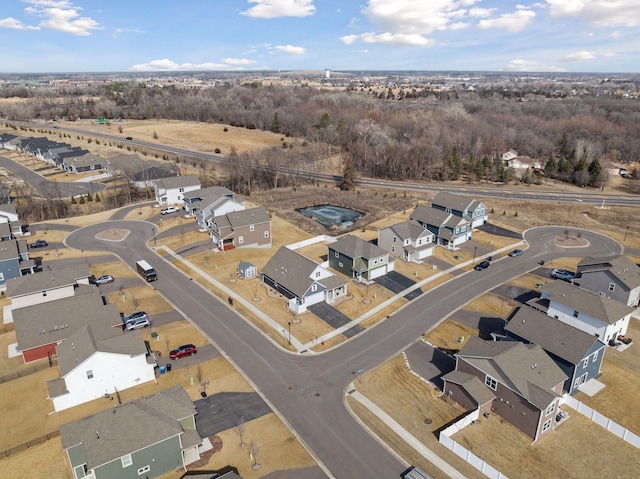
308	391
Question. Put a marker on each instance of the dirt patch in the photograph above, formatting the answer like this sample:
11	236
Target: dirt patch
113	234
570	241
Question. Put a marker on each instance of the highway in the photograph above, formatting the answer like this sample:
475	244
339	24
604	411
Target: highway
308	391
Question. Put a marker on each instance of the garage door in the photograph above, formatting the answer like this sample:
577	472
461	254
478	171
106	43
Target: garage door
376	273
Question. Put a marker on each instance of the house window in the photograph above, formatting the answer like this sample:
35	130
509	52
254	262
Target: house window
252	228
595	357
337	254
395	239
546	426
612	287
90	374
126	460
266	234
181	190
44	293
575	314
585	363
551	408
314	287
144	469
241	239
340	265
317	274
393	249
491	383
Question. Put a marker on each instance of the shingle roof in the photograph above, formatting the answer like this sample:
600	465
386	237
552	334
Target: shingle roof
291	270
621	267
116	432
47	280
354	247
204	192
8	248
454	202
410	230
552	335
432	216
524	368
86	159
153	173
599	307
480	393
178	182
252	216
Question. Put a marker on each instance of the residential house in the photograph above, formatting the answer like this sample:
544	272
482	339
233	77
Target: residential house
597	315
210	195
242	229
525	381
616	277
147	177
99	359
359	259
5	138
8	213
170	191
14	257
48	285
522	164
577	353
42	327
34	146
408	240
12	144
470	209
509	155
450	230
56	156
147	437
217	202
81	164
302	281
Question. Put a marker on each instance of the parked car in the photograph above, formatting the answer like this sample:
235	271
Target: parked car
562	274
138	323
104	279
38	244
184	350
135	316
482	265
168	210
515	252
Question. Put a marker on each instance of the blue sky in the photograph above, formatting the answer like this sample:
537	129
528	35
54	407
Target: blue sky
182	35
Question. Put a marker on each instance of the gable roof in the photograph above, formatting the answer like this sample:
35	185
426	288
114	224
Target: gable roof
410	229
47	280
109	435
238	219
552	335
177	182
621	267
454	202
523	368
202	193
86	159
291	270
355	247
478	391
435	217
599	307
9	248
153	173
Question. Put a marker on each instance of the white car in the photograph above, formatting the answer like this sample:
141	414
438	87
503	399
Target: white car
170	209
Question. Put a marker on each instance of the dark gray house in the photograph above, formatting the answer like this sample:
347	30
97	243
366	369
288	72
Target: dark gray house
470	209
615	277
450	230
146	437
577	353
80	164
14	258
359	259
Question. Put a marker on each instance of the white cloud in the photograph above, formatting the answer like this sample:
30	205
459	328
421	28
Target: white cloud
601	13
119	32
388	39
61	16
14	24
521	65
481	12
579	56
169	65
280	8
290	49
512	22
458	26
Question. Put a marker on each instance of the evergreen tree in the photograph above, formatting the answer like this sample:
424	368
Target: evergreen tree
275	124
551	168
348	177
596	176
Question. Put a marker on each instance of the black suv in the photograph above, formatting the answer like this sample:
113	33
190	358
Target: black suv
482	265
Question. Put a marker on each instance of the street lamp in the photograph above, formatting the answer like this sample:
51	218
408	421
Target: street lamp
474	256
289	333
625	234
153	228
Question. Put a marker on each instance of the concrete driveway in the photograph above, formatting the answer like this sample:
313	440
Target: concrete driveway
206	352
499	231
223	411
397	283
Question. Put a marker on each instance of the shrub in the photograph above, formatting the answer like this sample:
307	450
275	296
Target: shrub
217	150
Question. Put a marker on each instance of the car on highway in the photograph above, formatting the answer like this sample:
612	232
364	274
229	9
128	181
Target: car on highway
104	279
38	244
184	350
516	252
128	138
169	210
562	274
482	265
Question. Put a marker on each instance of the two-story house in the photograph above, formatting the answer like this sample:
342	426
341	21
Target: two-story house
450	230
577	353
302	281
211	202
145	438
83	163
524	380
616	277
595	314
170	191
470	209
14	257
407	240
241	229
359	259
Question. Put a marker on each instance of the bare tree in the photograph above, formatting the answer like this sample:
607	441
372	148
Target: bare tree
253	454
239	428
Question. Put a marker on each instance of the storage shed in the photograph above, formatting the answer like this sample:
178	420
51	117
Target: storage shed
247	270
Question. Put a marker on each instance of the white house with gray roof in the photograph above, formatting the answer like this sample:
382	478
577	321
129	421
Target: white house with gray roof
170	191
359	259
145	438
470	209
408	240
450	230
597	315
616	277
217	202
302	281
99	359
